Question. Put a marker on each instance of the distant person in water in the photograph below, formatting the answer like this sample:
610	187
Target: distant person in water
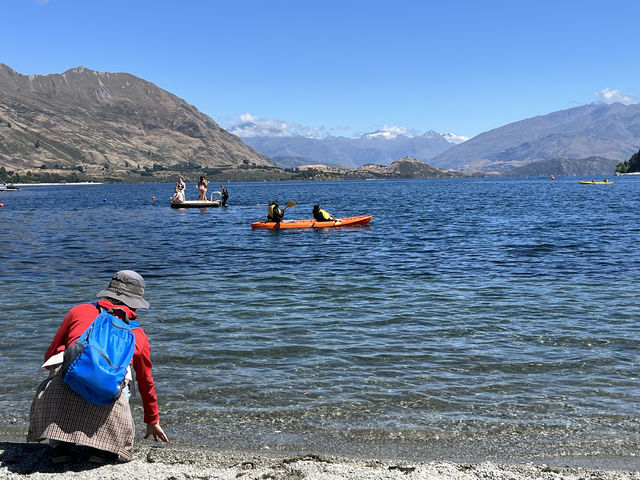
320	215
179	190
275	214
202	188
224	195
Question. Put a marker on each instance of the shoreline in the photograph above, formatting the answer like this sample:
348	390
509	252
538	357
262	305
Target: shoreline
55	184
29	460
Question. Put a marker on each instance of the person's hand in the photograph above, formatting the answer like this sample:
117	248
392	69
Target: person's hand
156	430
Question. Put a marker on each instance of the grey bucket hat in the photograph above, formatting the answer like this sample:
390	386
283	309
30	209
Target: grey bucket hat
128	287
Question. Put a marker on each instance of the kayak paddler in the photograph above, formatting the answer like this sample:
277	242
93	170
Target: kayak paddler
320	215
276	214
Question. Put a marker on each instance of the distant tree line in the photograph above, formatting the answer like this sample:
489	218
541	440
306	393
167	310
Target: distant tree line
631	165
10	176
247	171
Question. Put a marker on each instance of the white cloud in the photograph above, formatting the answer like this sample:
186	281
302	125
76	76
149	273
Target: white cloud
249	125
612	95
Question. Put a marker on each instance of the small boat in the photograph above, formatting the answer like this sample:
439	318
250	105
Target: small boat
8	188
311	223
592	182
196	204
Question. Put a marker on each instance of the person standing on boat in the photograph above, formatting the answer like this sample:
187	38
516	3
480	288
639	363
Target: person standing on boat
64	417
202	188
320	215
224	195
275	214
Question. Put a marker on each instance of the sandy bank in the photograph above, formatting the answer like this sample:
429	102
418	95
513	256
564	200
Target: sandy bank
30	461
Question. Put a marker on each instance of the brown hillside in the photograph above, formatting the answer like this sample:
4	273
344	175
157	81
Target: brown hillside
108	122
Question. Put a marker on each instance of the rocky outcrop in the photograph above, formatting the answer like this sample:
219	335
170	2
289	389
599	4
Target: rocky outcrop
402	168
407	168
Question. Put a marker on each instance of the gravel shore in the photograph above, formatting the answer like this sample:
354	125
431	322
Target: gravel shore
31	461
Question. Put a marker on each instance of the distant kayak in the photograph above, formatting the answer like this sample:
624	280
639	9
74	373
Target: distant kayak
196	204
595	183
311	223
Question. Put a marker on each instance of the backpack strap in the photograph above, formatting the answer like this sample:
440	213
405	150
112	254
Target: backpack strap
112	312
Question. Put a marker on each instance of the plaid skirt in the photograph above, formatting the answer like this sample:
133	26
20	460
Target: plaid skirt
59	413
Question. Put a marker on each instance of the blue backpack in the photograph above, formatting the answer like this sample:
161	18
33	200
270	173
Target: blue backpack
96	365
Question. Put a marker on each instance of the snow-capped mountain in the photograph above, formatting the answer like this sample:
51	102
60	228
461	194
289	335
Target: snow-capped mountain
381	147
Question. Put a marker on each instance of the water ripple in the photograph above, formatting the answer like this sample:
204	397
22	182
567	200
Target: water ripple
468	309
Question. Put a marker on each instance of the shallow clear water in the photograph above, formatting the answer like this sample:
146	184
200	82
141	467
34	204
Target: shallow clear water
486	317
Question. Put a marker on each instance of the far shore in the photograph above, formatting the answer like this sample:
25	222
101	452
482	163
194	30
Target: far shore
49	184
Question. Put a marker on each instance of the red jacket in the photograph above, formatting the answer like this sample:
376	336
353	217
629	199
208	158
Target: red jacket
78	320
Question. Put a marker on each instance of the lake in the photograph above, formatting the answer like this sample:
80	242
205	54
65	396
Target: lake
472	318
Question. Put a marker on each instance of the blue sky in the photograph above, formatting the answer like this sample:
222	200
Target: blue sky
344	67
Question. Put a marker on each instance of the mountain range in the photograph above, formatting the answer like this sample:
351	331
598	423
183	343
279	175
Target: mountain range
608	133
566	166
117	126
380	147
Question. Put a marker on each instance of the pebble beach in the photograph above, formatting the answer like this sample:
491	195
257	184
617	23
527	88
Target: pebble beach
31	461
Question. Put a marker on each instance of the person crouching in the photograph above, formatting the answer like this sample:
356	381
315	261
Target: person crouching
63	417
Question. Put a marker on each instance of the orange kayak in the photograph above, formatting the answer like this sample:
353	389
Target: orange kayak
311	223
